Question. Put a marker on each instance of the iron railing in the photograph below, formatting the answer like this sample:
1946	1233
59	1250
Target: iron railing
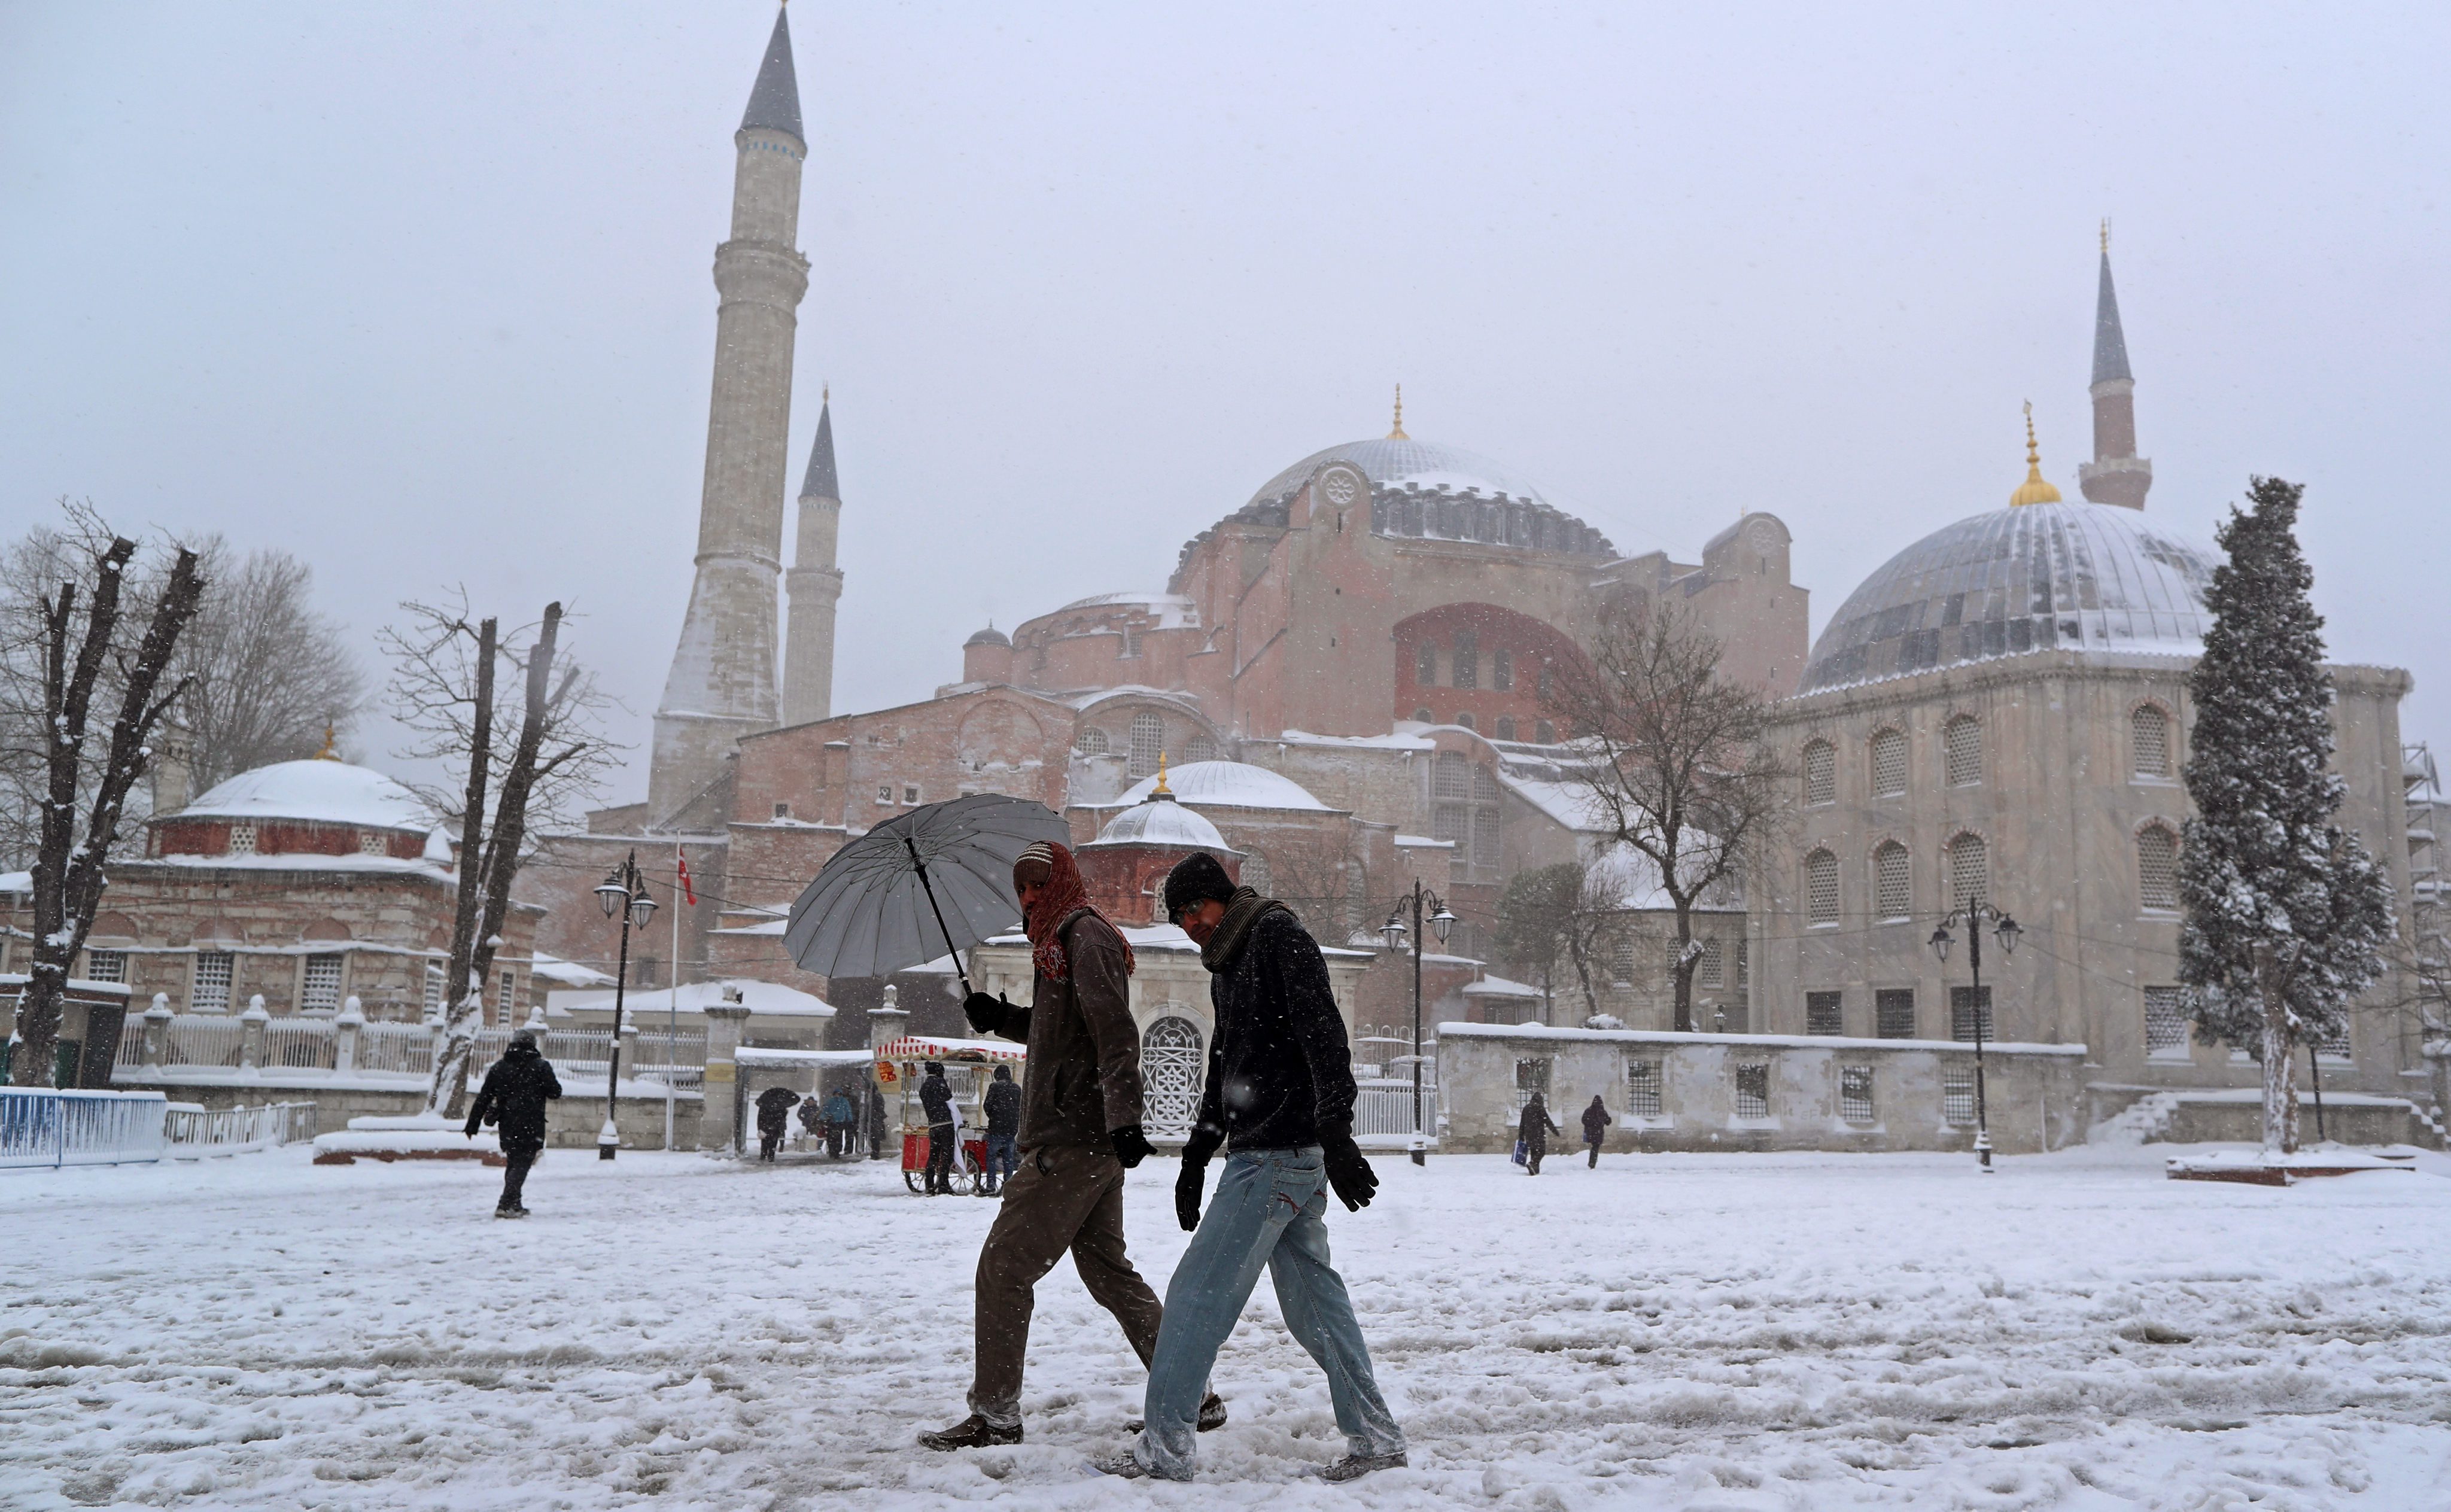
192	1131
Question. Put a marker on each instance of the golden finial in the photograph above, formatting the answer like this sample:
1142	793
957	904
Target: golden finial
2105	236
1161	791
826	392
1397	434
2033	490
326	754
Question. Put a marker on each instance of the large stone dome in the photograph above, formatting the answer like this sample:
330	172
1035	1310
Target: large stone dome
1389	462
2071	577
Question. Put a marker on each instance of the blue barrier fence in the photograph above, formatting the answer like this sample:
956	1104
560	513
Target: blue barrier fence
41	1127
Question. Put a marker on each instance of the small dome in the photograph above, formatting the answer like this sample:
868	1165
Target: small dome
1163	822
989	636
315	792
1227	785
2039	577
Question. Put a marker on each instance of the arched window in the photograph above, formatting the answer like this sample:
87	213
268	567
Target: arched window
1467	660
1970	870
2148	731
1545	733
1198	748
1501	669
1621	961
1426	665
1821	888
1171	1069
1506	727
1423	714
1820	773
1148	739
1962	742
1466	719
1452	776
2157	867
1893	881
1889	763
1091	741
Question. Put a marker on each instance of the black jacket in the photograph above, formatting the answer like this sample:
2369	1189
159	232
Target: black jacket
1595	1122
513	1096
1536	1125
774	1106
1279	1070
937	1098
1003	1110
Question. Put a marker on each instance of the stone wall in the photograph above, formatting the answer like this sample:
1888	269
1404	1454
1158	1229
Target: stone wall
574	1120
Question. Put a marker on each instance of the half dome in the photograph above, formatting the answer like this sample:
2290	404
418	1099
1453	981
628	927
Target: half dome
2038	576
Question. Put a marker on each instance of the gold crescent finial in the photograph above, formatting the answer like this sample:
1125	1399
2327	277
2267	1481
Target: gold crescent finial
1397	434
2034	490
326	754
2105	236
826	392
1161	791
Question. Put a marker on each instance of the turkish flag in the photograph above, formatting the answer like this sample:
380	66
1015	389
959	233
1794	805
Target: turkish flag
687	891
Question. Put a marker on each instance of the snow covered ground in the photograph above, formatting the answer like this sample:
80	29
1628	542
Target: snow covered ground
1698	1332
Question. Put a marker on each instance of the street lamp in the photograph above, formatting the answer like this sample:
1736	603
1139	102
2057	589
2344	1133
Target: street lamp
2005	930
624	895
1442	922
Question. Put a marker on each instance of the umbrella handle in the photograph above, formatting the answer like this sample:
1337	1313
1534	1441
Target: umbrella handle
950	949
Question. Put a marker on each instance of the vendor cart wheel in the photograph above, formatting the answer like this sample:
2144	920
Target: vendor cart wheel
916	1179
960	1181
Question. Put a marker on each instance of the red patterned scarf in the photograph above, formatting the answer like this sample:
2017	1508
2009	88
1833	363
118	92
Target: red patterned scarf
1062	897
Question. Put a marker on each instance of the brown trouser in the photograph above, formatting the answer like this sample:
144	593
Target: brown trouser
1064	1197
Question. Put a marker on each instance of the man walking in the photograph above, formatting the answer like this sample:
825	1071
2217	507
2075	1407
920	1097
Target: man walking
1080	1131
840	1123
1004	1127
1279	1098
513	1098
1595	1122
1533	1128
775	1106
936	1101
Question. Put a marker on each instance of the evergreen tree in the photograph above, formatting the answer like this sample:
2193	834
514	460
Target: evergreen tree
2286	912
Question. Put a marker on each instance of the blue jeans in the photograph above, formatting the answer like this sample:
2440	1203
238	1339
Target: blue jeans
1003	1159
1269	1208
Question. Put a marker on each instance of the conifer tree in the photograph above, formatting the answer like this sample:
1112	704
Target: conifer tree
2285	912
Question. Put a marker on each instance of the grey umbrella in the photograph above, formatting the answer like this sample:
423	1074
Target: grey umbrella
936	879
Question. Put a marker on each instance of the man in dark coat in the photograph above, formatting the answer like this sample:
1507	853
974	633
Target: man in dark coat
840	1124
775	1106
1004	1128
513	1099
1080	1131
1533	1128
1279	1098
936	1100
1595	1122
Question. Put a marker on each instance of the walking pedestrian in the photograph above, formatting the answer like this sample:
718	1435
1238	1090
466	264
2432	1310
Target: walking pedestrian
841	1126
513	1099
1279	1098
812	1115
1533	1128
1080	1131
775	1106
1595	1122
1004	1127
936	1100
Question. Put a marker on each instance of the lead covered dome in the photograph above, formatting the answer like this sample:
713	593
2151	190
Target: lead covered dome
315	792
2034	577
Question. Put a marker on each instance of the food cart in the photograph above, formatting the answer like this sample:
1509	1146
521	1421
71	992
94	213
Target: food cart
969	1065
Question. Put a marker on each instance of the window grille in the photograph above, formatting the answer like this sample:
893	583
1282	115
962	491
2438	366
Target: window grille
1531	1076
1821	888
2149	730
1547	685
2157	867
506	998
1172	1067
782	810
1888	764
1820	773
885	793
1452	776
1484	838
2336	1043
1501	669
1893	1016
1856	1093
1091	741
1752	1091
1893	881
1961	1014
1506	727
2165	1020
1467	660
1823	1013
1255	872
1149	738
1744	963
1963	744
320	992
1543	732
1485	785
1452	822
910	793
1712	973
1426	665
1642	1089
1621	962
242	839
1198	748
433	988
373	842
1970	870
106	966
1131	640
211	993
1957	1099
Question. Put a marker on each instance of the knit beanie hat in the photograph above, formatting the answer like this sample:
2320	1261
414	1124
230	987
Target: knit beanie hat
1196	877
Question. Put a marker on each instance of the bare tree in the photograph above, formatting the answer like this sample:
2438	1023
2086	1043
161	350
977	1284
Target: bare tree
550	761
1320	874
54	673
1553	915
266	675
1683	774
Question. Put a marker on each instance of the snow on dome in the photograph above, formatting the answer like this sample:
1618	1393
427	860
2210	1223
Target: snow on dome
2072	577
1225	785
318	792
1165	824
989	636
1407	464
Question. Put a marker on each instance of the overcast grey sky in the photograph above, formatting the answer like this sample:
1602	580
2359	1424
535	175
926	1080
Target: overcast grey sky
421	292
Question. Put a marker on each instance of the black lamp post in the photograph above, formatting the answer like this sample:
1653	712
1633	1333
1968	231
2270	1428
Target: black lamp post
623	893
2005	930
1393	932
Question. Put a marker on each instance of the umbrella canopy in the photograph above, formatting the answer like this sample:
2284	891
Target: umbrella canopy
936	878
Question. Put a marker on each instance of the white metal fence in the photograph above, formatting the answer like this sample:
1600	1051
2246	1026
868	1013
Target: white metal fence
405	1048
1385	1107
205	1039
191	1130
47	1129
304	1044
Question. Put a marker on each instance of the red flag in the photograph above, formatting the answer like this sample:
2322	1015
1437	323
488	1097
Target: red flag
687	891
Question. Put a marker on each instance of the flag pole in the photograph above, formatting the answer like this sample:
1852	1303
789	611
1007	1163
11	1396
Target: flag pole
672	1004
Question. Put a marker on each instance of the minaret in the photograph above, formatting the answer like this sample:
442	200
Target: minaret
2116	474
815	582
722	683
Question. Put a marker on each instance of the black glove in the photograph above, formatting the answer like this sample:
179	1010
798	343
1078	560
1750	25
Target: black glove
1131	1145
1196	1151
985	1013
1348	1173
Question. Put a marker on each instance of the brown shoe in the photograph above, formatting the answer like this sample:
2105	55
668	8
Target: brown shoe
973	1432
1212	1416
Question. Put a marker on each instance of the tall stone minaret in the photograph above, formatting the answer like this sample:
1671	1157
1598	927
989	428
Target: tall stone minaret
815	582
2116	474
722	683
